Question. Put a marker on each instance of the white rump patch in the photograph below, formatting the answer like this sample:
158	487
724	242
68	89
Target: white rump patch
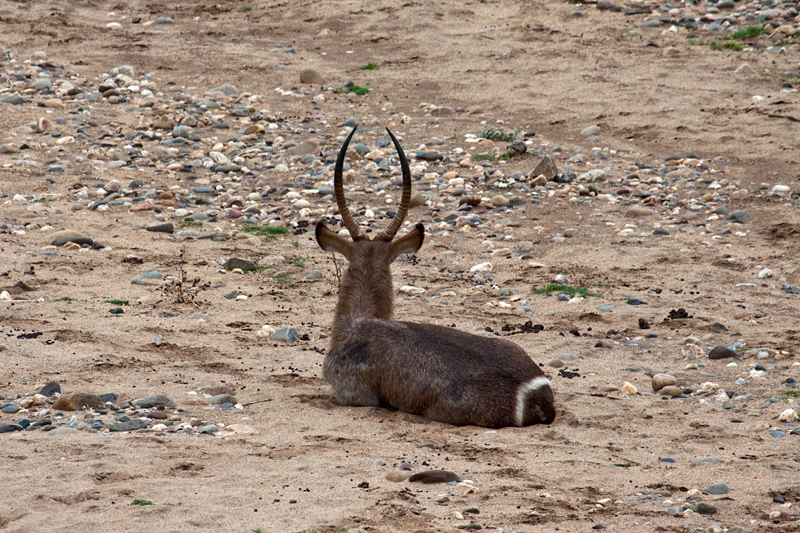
522	395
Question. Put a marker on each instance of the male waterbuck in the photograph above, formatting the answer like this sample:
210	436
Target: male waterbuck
438	372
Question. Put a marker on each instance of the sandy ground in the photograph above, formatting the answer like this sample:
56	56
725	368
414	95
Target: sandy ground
298	461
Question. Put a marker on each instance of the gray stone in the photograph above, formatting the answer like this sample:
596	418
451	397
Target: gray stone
50	389
517	147
350	123
225	88
130	425
157	400
13	99
546	167
287	335
162	228
590	130
680	155
8	428
152	274
208	429
740	215
244	264
221	398
63	431
704	508
314	274
9	408
717	489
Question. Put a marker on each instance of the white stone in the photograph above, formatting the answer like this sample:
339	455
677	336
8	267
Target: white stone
765	273
410	289
789	415
781	188
482	267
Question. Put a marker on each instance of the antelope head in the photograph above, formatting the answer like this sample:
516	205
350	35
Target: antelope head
332	242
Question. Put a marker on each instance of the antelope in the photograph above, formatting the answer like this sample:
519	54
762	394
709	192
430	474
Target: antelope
438	372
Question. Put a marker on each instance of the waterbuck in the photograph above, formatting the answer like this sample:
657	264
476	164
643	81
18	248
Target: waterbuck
438	372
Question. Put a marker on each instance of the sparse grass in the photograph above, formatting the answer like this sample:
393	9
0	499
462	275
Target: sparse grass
750	32
724	44
788	42
258	530
271	231
484	157
245	9
117	302
142	502
191	223
498	134
297	261
558	287
67	312
790	394
369	66
729	41
356	89
625	33
65	299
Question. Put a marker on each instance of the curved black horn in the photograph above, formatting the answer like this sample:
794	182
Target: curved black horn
391	230
338	189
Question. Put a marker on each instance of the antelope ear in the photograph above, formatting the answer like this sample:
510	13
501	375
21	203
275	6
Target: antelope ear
409	243
331	242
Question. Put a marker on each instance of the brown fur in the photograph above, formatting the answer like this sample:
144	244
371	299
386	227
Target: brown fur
434	371
437	372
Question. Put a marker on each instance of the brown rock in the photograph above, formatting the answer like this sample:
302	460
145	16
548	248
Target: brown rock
304	148
310	76
77	401
434	476
660	381
639	212
417	199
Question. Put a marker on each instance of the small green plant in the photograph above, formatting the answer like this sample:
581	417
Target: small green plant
142	502
725	44
65	299
484	157
369	66
749	32
790	394
356	89
245	9
271	231
117	302
67	312
498	134
296	261
258	530
625	33
558	287
190	222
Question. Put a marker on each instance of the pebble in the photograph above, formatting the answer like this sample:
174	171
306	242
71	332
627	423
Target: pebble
77	401
286	335
167	227
208	429
243	264
9	428
704	508
740	216
721	352
659	381
671	390
9	408
590	130
717	489
434	476
130	425
157	400
50	388
63	431
311	77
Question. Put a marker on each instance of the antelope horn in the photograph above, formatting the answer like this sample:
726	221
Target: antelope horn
338	189
391	230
